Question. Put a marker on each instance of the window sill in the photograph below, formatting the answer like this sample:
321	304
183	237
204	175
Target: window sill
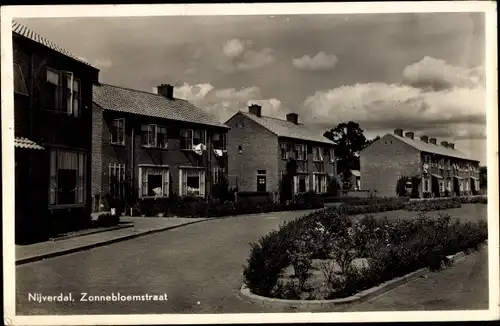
153	197
117	144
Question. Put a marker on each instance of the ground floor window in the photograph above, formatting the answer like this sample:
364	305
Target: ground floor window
153	181
320	183
301	183
461	185
441	186
67	177
192	182
426	181
117	180
218	175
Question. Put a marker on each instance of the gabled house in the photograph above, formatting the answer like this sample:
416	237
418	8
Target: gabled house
260	146
442	169
149	145
53	128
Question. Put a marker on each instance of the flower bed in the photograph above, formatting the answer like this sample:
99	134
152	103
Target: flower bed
324	255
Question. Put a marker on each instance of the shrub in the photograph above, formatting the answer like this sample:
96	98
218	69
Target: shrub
473	199
433	204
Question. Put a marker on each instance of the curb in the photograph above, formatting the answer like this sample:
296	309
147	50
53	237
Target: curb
123	226
362	296
32	259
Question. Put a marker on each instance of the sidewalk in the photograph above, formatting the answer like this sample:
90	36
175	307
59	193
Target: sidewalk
142	226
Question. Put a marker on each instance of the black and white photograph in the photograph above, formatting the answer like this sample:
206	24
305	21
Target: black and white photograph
238	163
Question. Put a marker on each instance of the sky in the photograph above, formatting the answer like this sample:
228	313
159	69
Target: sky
422	72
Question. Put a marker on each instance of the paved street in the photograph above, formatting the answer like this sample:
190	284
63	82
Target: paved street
199	266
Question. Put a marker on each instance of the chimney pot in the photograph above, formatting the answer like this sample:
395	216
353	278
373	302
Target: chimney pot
292	117
166	90
432	141
398	132
409	134
451	145
444	143
255	109
424	138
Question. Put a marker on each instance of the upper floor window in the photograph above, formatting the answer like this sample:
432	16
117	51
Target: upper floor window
63	92
301	152
118	131
317	154
427	159
154	136
220	141
190	138
332	155
283	151
20	86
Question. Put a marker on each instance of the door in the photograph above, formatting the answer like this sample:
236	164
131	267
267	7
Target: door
261	183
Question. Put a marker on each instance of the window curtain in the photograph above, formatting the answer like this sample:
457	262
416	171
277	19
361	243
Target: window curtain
81	180
76	97
314	183
69	94
53	77
295	184
307	183
202	183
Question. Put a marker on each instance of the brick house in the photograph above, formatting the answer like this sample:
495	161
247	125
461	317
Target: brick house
259	147
442	169
149	141
52	129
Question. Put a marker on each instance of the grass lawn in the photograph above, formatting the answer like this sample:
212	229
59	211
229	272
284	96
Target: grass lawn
468	212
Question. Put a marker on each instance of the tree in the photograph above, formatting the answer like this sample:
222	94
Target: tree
483	177
349	141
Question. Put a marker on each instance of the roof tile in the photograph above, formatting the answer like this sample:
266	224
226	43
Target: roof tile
115	98
21	142
24	31
283	128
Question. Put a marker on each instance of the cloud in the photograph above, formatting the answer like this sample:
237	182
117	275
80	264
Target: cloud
224	103
437	74
456	108
321	61
239	56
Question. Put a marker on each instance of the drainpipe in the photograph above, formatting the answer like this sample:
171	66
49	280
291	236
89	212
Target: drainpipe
132	160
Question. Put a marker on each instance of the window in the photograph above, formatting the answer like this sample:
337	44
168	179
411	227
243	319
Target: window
332	155
67	178
20	86
218	174
317	155
118	132
154	136
427	159
448	185
63	92
154	181
441	185
447	164
426	182
284	151
148	135
461	185
301	183
240	149
190	137
192	182
408	185
261	180
301	152
219	141
117	180
319	183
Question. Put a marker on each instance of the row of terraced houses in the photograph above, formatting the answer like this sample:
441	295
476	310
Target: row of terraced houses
77	139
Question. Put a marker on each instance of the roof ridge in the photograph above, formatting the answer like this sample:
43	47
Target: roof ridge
141	91
283	120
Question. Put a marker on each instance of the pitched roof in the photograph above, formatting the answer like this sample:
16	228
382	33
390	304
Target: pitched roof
115	98
283	128
21	142
24	31
434	149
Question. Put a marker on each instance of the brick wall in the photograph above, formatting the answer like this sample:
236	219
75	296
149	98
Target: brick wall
384	161
260	152
96	153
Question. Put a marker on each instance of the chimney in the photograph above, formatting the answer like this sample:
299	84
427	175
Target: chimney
398	132
444	143
424	138
432	140
292	117
166	90
255	109
409	134
451	145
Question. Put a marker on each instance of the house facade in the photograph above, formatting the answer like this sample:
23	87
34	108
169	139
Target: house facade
52	128
259	148
441	168
153	145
